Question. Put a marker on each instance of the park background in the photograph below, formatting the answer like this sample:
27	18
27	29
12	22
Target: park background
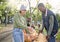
9	7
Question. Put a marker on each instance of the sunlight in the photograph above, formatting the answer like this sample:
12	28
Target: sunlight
12	2
33	3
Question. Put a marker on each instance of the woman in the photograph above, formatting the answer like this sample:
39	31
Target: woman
19	25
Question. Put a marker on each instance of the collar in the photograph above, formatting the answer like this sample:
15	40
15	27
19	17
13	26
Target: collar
46	12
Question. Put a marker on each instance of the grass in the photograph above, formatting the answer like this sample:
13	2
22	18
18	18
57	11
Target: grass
58	35
2	25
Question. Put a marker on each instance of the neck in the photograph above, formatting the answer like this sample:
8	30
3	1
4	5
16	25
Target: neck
22	15
44	11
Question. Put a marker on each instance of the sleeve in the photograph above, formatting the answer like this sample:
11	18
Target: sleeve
51	22
19	23
42	25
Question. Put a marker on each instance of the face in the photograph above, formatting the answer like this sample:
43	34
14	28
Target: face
41	9
23	12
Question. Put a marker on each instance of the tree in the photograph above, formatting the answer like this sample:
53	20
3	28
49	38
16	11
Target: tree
2	0
58	18
6	12
2	9
48	5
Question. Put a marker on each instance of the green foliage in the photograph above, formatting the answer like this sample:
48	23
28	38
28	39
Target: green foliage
58	35
58	17
37	15
6	11
0	13
2	0
28	14
48	6
3	5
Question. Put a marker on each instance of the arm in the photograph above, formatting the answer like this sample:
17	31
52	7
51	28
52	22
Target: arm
51	22
42	27
20	24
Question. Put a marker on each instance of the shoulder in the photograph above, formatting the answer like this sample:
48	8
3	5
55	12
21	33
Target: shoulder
16	14
50	12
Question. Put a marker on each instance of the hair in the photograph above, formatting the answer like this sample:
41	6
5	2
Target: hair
20	11
41	5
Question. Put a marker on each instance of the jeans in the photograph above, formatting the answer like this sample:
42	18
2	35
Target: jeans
51	39
18	35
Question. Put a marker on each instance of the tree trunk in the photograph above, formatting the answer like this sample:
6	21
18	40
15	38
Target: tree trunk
8	19
1	20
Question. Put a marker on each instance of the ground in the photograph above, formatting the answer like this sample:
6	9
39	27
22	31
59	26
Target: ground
6	34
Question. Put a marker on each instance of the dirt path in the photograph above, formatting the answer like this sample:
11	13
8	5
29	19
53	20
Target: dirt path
7	28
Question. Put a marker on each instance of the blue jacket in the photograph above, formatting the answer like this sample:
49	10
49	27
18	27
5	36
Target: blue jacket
47	24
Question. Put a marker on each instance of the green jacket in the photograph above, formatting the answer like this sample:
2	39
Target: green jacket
20	21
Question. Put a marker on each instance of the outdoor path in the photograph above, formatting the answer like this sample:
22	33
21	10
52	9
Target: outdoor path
6	34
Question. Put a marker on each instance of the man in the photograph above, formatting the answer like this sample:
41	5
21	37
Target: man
49	22
19	25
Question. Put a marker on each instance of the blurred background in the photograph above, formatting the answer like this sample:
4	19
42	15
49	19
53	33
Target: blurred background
9	7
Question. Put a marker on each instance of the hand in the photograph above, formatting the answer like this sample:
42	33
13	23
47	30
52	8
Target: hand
27	30
29	27
40	31
47	37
